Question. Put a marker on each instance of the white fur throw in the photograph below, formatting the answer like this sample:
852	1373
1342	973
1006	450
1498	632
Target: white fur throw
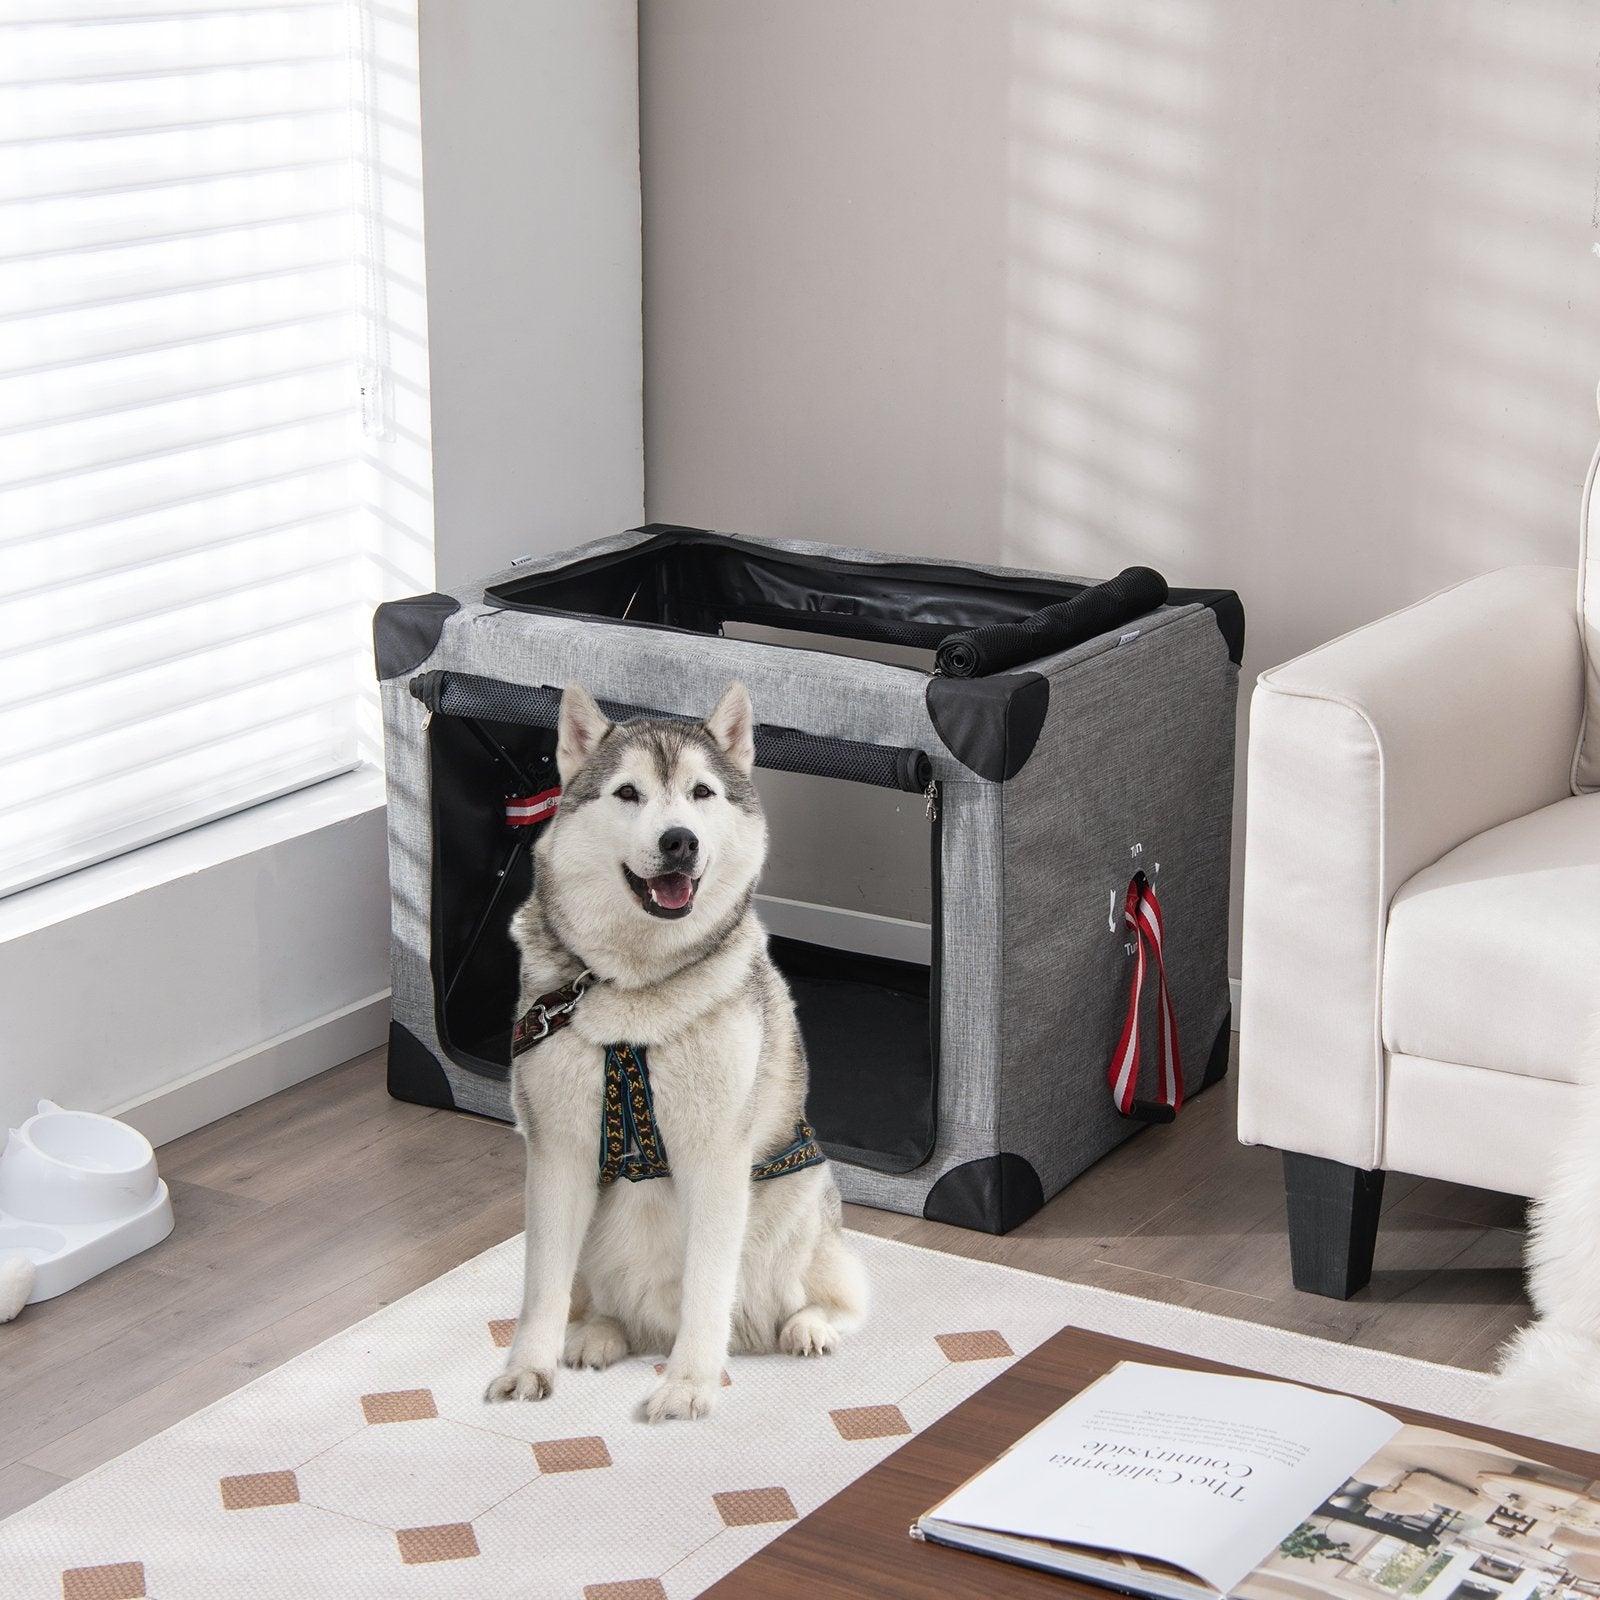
1549	1381
16	1284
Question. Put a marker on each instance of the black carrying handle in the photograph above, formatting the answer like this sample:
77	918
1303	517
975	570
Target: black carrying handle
462	694
978	652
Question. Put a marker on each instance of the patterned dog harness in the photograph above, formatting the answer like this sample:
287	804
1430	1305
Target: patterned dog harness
631	1145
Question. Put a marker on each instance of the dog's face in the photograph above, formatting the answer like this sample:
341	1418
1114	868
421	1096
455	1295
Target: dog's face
659	823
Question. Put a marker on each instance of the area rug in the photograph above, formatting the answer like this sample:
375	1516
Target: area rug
370	1466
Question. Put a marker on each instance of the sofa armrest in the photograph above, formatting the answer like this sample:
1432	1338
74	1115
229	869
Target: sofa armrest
1370	758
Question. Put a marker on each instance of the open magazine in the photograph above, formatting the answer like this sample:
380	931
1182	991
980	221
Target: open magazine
1189	1485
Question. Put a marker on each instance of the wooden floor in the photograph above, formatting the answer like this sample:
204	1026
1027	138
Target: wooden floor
301	1215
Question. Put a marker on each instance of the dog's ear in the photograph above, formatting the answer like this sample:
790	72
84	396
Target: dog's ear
579	728
732	727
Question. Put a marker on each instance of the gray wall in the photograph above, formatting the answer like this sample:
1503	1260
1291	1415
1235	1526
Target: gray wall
1292	296
530	155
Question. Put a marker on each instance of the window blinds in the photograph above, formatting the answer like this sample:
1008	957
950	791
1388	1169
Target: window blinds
180	610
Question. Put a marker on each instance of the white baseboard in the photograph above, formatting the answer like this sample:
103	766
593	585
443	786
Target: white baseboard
240	1080
1233	997
860	931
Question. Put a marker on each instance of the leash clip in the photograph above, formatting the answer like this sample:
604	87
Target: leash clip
579	985
544	1017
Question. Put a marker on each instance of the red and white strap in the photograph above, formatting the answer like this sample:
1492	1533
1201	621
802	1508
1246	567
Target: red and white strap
1142	913
523	811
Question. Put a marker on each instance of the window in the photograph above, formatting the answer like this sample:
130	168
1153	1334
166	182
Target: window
213	406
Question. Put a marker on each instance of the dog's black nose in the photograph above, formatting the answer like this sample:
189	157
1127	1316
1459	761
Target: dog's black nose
678	845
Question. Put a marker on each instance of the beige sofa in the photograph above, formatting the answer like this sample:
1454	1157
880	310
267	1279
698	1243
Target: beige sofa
1421	974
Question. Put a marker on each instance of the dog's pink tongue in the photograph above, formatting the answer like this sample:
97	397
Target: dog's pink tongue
672	890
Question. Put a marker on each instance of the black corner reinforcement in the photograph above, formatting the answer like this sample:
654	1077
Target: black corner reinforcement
993	1194
405	632
414	1074
990	725
1228	609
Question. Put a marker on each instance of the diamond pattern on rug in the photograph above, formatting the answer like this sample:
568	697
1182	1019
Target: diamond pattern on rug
435	1472
399	1405
990	1345
660	1366
448	1541
248	1490
740	1508
633	1589
123	1580
571	1455
869	1422
501	1330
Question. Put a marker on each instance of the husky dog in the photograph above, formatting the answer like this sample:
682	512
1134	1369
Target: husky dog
644	881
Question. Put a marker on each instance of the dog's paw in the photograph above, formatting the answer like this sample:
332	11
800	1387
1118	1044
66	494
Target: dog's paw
596	1342
808	1333
679	1399
522	1383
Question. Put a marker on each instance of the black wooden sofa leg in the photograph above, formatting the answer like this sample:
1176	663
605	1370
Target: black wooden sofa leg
1333	1223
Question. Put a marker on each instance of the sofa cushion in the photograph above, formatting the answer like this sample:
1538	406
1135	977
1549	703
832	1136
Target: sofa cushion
1491	954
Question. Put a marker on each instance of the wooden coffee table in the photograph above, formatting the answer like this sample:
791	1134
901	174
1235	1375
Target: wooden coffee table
858	1545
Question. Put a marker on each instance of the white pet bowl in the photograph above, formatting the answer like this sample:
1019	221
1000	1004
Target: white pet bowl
78	1193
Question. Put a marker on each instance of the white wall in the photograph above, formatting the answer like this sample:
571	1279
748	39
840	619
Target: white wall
182	981
531	171
1296	298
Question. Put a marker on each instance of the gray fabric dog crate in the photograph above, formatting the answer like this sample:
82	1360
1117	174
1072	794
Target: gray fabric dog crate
968	1089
